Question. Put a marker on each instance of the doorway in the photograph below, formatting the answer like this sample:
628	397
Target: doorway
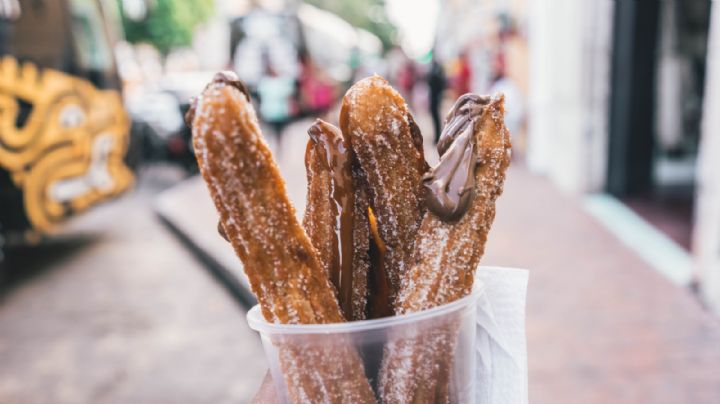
658	80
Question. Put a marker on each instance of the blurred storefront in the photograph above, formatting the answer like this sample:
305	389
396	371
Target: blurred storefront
617	94
706	235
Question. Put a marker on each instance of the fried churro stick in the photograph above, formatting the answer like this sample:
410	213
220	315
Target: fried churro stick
461	194
279	260
388	145
335	203
327	162
256	215
336	217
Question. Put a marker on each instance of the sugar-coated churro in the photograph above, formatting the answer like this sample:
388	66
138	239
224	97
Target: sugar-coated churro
388	145
281	264
336	216
460	192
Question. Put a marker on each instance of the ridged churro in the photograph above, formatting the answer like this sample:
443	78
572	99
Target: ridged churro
336	217
460	194
256	216
387	143
282	266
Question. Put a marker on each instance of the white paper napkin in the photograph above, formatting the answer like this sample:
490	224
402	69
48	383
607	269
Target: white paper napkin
501	346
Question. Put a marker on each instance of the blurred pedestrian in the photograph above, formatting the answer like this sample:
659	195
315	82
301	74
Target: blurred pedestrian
436	83
502	83
463	77
276	93
316	89
406	79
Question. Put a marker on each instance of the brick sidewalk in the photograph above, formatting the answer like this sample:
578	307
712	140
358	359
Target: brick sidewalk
603	327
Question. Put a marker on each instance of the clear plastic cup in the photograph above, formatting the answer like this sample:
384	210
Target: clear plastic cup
435	349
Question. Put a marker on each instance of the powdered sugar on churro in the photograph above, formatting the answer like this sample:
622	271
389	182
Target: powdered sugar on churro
378	123
279	260
443	264
446	253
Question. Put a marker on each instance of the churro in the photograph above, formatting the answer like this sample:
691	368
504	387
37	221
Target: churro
387	143
381	233
460	194
281	264
336	217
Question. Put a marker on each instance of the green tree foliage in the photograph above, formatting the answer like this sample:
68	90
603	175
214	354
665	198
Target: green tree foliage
366	14
168	24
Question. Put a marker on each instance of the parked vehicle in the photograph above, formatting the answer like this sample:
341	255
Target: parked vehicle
64	132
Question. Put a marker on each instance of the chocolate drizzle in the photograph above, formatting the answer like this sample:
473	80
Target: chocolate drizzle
221	231
229	78
449	185
225	77
337	158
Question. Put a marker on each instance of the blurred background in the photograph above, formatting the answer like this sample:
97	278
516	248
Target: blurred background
115	287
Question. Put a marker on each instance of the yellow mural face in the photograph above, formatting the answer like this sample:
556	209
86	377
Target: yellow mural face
65	148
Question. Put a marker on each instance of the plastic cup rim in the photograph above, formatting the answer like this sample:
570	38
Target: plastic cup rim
258	323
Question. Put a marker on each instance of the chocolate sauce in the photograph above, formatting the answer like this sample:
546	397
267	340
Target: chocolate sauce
222	77
415	133
221	231
231	79
337	160
449	185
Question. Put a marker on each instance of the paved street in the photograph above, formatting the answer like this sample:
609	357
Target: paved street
117	311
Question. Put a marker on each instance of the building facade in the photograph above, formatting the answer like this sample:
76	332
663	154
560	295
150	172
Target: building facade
706	240
616	94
